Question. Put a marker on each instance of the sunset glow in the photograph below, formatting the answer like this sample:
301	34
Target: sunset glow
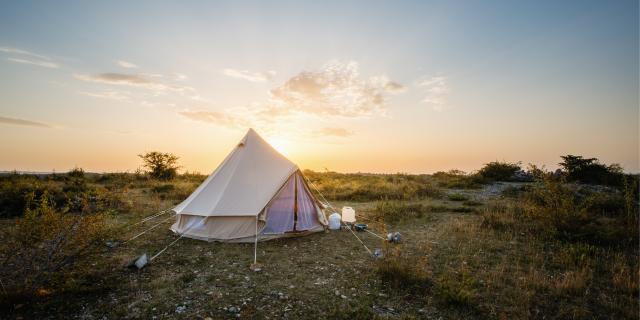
408	87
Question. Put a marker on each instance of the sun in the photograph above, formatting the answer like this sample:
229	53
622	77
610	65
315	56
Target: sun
282	145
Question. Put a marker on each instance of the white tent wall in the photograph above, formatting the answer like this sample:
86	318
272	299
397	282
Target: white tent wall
216	228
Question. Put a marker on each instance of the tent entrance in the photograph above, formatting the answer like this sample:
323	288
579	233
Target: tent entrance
292	210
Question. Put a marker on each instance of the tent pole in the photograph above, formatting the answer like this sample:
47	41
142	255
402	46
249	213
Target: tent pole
255	247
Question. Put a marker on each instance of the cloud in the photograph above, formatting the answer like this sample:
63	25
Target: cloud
437	92
23	52
27	57
110	95
133	80
23	122
45	64
334	132
336	90
249	76
387	85
126	64
219	118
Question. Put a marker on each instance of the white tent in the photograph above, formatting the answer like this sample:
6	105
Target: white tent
254	193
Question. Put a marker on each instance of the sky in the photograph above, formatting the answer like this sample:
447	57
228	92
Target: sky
347	86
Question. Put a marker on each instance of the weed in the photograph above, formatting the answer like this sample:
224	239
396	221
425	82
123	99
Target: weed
457	197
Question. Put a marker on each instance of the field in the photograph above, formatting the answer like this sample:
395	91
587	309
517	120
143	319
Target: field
471	248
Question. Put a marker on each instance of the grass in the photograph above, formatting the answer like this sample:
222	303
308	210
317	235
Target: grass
457	197
460	259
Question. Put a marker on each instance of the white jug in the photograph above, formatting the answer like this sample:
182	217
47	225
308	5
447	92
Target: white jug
334	221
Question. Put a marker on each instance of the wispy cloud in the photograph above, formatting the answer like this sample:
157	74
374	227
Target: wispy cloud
45	64
219	118
126	64
24	122
336	90
333	132
132	80
437	92
110	95
248	75
27	57
387	85
22	52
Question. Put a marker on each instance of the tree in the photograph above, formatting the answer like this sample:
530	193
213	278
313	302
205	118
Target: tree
162	166
591	171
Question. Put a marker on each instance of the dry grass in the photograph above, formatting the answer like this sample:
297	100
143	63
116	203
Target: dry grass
489	263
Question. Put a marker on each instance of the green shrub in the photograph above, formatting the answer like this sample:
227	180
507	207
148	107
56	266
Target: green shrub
162	166
15	188
40	252
499	171
457	197
591	171
581	214
457	288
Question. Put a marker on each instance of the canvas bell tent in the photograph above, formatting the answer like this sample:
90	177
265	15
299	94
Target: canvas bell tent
255	193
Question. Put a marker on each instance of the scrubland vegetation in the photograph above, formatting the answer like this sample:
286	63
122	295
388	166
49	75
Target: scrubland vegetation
559	245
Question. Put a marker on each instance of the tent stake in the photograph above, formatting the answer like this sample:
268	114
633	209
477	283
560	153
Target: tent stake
255	246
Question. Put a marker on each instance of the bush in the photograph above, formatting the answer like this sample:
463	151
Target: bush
40	252
15	188
582	214
591	171
458	197
162	166
499	171
457	289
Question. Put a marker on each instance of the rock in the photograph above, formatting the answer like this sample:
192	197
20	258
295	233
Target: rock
337	293
181	309
233	309
343	296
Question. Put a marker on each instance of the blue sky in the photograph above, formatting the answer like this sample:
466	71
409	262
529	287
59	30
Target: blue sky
418	86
